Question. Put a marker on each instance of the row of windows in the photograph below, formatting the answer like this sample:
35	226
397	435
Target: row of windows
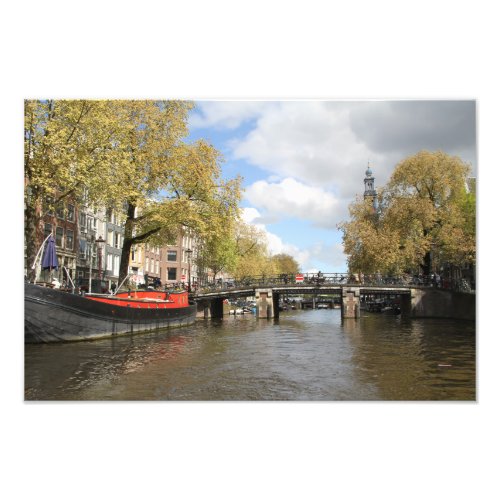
67	241
62	212
113	264
152	266
114	239
135	254
68	214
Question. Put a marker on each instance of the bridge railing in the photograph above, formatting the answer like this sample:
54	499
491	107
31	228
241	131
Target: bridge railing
355	279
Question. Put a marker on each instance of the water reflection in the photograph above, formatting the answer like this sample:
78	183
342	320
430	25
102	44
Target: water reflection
305	355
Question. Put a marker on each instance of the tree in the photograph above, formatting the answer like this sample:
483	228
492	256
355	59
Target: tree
425	218
129	156
218	252
252	252
168	185
369	242
67	144
426	198
284	264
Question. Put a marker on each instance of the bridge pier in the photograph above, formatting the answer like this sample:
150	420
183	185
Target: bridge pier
267	303
351	302
438	303
213	308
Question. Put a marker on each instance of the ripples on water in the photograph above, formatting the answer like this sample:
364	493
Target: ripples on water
305	355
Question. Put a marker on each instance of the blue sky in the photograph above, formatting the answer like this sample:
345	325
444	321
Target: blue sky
303	162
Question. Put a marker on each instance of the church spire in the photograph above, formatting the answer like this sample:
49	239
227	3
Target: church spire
370	192
369	184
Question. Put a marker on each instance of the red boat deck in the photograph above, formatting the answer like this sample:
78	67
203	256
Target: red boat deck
145	299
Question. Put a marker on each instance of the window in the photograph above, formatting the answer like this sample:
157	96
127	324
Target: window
83	222
147	263
132	253
117	240
48	202
117	264
172	273
71	213
172	255
109	239
109	263
83	248
60	211
69	239
156	267
47	230
59	236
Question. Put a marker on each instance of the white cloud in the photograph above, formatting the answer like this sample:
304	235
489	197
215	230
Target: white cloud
249	214
290	198
275	244
312	142
331	256
227	114
328	143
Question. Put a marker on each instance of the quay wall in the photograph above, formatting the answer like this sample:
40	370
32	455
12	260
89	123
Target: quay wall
435	303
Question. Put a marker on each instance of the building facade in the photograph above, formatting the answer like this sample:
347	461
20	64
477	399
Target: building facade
169	265
61	222
115	229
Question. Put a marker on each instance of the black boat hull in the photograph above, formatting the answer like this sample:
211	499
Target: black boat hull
55	316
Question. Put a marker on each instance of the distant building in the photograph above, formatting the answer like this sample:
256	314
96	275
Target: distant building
370	192
114	243
172	263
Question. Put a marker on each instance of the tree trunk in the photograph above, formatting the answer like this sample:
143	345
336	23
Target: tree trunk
427	264
124	260
30	238
128	241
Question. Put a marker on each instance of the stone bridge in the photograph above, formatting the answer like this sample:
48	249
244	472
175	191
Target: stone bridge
417	300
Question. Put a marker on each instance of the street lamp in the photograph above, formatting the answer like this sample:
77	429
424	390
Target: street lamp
189	253
100	245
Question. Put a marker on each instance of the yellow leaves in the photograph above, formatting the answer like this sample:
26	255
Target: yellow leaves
424	209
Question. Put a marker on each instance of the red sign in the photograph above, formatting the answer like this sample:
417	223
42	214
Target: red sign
299	278
183	277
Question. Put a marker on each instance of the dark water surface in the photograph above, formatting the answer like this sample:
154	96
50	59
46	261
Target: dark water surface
305	355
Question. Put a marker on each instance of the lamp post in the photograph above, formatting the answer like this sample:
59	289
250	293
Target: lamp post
100	244
91	252
189	253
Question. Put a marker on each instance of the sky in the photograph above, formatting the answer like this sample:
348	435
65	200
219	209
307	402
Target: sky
304	161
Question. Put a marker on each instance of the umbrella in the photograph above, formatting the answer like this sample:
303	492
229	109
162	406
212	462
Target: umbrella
49	260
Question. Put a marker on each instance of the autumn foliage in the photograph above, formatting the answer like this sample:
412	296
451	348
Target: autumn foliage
425	219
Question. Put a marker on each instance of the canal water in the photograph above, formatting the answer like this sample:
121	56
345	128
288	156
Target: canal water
307	355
